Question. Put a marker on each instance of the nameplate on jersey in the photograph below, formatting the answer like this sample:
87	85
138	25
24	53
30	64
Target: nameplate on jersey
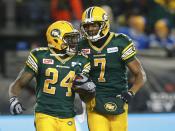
86	51
48	61
112	50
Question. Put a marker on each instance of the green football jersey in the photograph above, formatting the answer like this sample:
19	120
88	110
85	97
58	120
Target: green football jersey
108	64
54	78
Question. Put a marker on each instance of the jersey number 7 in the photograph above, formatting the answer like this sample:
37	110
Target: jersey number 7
101	61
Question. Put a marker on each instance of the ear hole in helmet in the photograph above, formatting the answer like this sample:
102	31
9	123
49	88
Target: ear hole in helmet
55	40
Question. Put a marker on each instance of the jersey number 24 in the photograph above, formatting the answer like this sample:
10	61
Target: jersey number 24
66	82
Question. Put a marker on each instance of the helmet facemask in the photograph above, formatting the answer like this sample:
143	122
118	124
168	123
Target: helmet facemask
71	41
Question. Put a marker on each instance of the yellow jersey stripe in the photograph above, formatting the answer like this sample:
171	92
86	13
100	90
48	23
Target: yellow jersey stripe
129	56
88	64
105	44
34	57
127	47
30	66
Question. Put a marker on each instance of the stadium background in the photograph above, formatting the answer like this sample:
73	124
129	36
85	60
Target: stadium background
22	27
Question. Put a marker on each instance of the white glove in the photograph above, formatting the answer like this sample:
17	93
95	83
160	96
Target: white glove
15	106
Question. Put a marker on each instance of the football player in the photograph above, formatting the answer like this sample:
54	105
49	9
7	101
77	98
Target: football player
110	55
55	69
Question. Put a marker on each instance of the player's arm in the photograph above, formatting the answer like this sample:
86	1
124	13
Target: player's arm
138	73
130	59
139	80
15	89
25	76
21	81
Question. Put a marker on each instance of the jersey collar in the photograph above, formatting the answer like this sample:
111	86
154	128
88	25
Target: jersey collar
63	61
104	45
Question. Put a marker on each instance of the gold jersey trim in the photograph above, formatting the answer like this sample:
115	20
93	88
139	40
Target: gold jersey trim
104	45
63	61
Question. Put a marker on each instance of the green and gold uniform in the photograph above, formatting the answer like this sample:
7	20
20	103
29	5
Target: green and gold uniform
109	73
54	96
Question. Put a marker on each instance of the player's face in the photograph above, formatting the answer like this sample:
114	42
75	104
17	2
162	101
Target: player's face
72	41
92	28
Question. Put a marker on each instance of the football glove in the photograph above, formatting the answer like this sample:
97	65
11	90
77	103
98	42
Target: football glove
84	87
82	84
15	106
127	96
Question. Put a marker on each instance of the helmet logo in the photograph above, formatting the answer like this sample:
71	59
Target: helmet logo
105	17
55	33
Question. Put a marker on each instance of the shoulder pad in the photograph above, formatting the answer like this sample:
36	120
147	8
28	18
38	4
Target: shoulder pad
124	37
116	34
121	35
40	49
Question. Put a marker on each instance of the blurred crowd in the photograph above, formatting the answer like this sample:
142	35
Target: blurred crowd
150	23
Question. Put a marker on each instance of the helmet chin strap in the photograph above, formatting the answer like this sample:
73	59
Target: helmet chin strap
96	37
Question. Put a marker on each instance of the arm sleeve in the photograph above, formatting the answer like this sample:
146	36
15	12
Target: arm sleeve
129	51
87	66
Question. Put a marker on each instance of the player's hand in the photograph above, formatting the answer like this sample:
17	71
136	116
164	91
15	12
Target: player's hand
85	87
127	96
82	84
15	106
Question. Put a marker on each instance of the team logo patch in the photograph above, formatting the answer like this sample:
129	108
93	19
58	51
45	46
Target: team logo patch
112	50
48	61
110	106
86	51
69	123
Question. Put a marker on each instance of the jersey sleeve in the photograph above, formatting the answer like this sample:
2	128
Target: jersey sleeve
86	68
86	64
32	63
128	52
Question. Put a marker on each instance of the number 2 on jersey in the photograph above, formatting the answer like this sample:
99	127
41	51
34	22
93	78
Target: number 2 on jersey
66	82
101	61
